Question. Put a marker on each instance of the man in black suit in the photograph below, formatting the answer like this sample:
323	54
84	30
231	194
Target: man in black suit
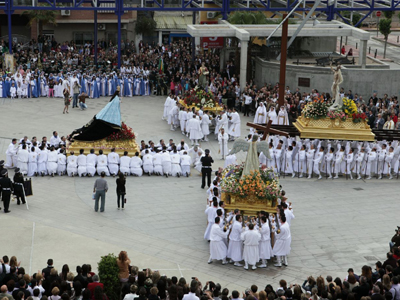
206	169
379	122
46	274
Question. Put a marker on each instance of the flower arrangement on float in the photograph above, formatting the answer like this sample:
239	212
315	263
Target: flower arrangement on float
263	183
125	134
198	97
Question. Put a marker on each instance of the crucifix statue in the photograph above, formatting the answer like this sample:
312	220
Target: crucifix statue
266	129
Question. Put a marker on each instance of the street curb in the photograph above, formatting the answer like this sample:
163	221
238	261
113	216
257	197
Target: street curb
389	43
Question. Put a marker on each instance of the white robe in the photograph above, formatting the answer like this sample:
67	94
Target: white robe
42	161
148	163
23	158
124	166
265	242
136	166
91	161
272	116
175	164
218	249
32	163
283	118
194	129
113	161
251	240
61	164
205	124
211	213
166	163
234	129
82	161
52	162
186	161
223	144
72	167
261	115
235	247
11	156
282	241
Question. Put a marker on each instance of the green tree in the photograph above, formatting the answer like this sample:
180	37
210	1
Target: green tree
385	26
241	18
145	26
388	14
42	17
108	273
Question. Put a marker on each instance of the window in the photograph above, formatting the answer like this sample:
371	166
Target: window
80	38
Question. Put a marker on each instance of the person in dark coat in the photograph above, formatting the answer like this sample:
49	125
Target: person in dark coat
7	188
19	186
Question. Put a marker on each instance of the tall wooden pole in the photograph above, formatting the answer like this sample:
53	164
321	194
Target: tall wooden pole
282	74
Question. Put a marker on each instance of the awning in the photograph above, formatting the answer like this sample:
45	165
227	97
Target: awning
172	21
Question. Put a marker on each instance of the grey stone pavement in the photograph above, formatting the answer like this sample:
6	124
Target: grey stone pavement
339	224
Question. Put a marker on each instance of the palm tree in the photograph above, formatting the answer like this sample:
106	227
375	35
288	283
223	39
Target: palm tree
41	17
248	18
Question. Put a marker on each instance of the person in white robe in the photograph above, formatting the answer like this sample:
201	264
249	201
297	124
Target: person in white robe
82	163
339	158
283	118
317	162
52	162
166	163
371	163
32	162
211	213
234	128
223	143
310	160
11	155
272	116
125	164
157	163
278	158
176	170
381	160
42	161
113	161
102	163
173	116
136	165
186	161
23	158
194	129
387	168
61	163
182	119
265	248
359	157
91	162
288	163
218	249
222	122
72	164
251	239
235	247
283	239
261	114
205	125
349	158
147	163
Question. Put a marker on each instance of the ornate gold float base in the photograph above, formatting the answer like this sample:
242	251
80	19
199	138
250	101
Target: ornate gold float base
106	146
214	110
334	129
249	205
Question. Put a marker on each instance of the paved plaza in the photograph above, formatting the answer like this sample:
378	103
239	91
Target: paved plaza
339	223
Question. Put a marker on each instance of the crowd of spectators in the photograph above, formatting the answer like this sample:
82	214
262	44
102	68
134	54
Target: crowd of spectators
378	283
